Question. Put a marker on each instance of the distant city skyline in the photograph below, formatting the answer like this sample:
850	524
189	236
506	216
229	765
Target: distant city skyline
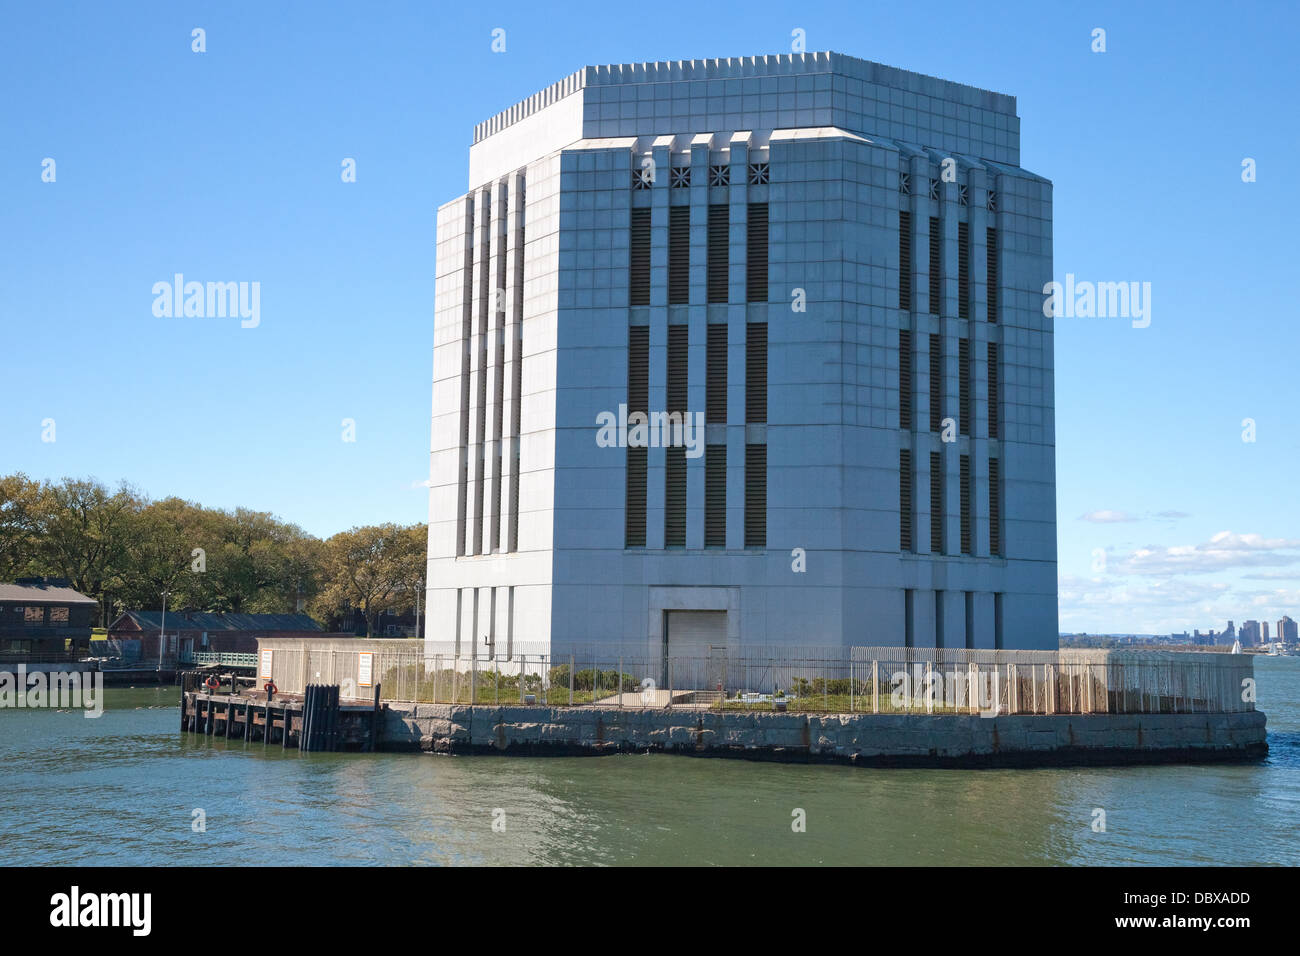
1251	632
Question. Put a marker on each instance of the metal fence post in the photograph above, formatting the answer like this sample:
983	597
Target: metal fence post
570	680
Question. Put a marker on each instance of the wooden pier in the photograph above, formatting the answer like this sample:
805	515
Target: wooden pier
330	724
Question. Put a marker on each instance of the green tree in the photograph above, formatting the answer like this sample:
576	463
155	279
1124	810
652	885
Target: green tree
82	534
257	563
372	568
160	544
20	508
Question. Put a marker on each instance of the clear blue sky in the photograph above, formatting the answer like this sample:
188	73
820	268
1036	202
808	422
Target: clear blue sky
225	166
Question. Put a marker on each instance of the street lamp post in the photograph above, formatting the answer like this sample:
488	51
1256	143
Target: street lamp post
162	632
419	586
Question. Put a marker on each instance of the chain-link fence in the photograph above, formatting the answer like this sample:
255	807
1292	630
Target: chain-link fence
780	678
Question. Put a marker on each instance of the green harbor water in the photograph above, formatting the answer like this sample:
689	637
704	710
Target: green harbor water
123	790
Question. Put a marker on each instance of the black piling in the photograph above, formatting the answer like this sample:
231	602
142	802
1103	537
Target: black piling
332	720
374	724
308	712
320	719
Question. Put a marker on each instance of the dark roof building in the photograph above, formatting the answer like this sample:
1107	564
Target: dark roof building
212	621
44	618
204	631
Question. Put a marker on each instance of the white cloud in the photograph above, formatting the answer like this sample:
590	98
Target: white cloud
1167	590
1223	551
1146	606
1106	517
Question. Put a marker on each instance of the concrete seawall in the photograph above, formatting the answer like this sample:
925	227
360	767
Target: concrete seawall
859	739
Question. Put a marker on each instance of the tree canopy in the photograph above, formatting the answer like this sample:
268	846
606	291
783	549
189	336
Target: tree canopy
124	550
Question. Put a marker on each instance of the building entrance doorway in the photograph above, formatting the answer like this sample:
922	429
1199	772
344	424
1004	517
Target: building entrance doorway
695	649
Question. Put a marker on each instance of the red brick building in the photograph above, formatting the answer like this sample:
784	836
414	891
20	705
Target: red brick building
135	633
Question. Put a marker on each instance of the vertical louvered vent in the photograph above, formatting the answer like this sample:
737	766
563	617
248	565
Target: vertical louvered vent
755	496
904	260
638	369
679	255
963	270
994	422
675	454
678	351
756	373
638	400
639	259
995	507
715	378
963	385
675	496
992	240
965	504
719	251
936	382
905	500
936	267
756	253
634	530
936	503
905	379
715	496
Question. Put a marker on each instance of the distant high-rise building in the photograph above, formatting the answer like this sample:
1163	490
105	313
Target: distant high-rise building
1249	633
1263	629
1286	630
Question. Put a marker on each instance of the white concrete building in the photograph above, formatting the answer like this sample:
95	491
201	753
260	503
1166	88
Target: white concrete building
838	267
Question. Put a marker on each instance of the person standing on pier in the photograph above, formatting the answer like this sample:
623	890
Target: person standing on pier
270	689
